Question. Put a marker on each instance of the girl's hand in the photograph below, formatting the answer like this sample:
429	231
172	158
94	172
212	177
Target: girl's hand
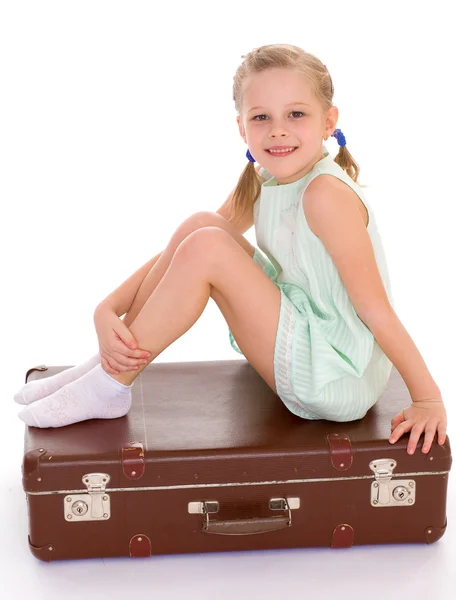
423	415
118	347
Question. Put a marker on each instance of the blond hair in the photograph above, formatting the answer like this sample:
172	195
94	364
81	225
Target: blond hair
284	56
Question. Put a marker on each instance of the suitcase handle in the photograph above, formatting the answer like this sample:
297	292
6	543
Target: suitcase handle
249	526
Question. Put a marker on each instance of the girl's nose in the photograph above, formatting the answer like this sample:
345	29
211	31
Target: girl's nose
278	129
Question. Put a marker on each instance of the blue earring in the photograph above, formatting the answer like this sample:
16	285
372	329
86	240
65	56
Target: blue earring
249	156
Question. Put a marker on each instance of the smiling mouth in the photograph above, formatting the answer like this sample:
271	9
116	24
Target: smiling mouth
281	152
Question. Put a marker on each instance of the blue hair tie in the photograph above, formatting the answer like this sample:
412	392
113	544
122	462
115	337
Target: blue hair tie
339	137
249	156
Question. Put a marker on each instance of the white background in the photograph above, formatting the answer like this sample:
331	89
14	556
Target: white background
117	122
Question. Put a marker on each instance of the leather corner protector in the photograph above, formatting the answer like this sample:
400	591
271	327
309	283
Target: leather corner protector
343	536
44	553
340	450
432	534
133	460
31	474
40	368
140	546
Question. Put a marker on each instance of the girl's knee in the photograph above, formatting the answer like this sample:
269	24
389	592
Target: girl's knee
193	223
206	218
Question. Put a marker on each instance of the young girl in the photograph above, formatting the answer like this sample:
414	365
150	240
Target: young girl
312	314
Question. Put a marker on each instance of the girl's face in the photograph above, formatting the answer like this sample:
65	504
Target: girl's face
279	109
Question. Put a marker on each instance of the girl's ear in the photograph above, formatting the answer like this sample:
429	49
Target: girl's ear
241	128
332	118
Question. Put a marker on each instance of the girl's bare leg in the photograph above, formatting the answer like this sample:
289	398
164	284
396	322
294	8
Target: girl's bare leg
37	390
153	278
209	263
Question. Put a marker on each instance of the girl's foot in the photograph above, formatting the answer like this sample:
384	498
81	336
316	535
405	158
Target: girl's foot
95	395
40	388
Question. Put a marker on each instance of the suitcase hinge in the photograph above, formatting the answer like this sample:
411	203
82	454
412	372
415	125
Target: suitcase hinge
95	505
388	492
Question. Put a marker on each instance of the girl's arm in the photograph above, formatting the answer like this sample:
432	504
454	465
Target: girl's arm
334	217
396	343
121	299
427	412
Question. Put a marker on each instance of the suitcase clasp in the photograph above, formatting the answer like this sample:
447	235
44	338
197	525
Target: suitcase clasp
388	492
95	505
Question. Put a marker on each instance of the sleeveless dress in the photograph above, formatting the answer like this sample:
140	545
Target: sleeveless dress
327	363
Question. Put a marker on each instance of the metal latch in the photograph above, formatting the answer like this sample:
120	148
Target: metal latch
386	491
95	505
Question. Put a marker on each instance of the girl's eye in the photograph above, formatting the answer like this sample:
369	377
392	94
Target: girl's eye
294	112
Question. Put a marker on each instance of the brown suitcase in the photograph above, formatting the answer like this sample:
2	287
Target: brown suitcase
209	459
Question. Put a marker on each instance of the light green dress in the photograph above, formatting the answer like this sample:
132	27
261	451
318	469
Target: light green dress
327	363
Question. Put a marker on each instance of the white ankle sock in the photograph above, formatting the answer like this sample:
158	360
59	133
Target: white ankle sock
95	395
40	388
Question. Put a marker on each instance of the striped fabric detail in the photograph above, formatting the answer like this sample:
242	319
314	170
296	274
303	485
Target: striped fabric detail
327	364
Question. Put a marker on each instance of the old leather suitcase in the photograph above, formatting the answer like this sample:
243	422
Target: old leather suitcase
209	459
